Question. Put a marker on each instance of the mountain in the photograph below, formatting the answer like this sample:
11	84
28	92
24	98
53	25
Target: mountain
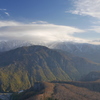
13	44
86	50
9	45
61	91
92	76
21	67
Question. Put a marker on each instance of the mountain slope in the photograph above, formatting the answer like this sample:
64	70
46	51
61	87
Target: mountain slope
9	45
86	50
21	67
61	91
92	76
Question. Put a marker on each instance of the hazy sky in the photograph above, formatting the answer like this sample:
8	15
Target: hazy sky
50	20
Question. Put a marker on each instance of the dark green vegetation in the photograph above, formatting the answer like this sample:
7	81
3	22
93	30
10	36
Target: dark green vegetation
20	68
61	91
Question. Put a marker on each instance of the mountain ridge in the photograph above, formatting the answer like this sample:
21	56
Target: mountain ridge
21	67
89	51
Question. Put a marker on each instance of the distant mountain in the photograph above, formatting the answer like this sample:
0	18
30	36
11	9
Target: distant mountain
9	45
21	67
61	91
92	76
13	44
86	50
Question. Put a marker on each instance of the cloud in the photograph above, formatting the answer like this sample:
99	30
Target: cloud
9	23
40	22
95	28
7	13
37	31
3	9
87	7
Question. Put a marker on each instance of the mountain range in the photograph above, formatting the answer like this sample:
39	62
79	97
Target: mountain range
21	67
89	51
86	50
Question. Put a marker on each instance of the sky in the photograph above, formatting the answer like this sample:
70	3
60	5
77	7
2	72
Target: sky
50	20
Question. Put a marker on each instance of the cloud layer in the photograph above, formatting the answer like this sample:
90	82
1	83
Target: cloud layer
87	7
37	31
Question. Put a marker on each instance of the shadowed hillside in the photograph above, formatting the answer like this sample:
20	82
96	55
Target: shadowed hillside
92	76
20	68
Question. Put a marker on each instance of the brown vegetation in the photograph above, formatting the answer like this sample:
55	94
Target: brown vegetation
46	92
64	91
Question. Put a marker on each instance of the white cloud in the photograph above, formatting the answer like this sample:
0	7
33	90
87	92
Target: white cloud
95	28
3	9
7	13
37	32
9	23
40	22
87	7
